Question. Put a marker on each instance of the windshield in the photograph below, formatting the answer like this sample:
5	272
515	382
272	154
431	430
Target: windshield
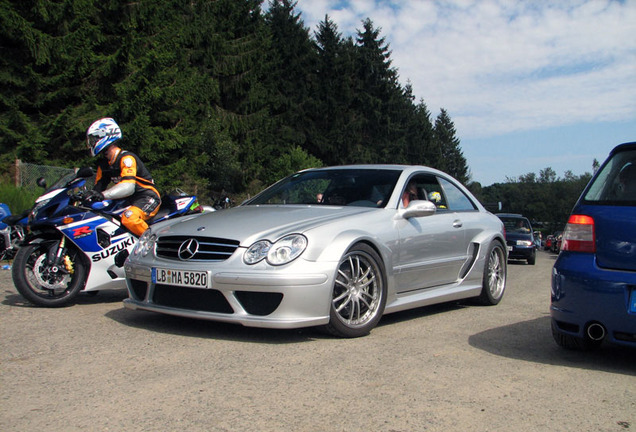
62	181
338	187
616	182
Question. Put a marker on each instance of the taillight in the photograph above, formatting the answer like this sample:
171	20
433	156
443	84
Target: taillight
579	234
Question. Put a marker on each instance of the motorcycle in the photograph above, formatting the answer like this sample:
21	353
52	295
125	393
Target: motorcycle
78	245
11	232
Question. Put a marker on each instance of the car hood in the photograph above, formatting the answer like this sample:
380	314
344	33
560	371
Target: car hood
615	232
248	224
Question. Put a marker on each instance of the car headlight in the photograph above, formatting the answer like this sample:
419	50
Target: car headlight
256	252
281	252
145	244
524	243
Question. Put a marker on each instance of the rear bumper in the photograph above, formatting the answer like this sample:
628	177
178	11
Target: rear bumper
583	293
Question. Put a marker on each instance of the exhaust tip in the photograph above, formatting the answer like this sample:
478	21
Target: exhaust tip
596	331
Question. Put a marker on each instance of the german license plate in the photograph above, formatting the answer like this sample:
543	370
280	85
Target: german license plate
632	301
186	278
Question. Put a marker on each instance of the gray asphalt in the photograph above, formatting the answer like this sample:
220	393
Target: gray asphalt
455	367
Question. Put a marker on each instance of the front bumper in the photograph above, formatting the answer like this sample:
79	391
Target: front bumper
583	293
520	252
267	299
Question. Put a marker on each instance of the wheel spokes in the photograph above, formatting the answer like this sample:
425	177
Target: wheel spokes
495	270
357	291
43	280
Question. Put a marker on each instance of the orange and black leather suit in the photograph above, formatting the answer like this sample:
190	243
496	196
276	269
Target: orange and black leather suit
145	200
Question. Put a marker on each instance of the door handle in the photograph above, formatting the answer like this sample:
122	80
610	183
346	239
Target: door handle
457	224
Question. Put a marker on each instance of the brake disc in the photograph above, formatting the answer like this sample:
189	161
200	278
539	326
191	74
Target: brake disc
49	277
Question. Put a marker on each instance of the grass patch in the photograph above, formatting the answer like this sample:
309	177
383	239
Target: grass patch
18	199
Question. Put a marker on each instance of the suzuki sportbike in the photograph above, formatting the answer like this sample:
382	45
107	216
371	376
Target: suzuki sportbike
77	245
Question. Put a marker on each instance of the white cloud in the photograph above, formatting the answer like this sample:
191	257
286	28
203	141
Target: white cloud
503	66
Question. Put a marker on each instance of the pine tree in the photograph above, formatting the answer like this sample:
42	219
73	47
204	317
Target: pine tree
332	113
419	136
239	67
376	97
47	61
212	94
450	157
290	77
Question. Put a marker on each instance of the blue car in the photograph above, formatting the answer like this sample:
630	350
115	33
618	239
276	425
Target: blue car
520	240
594	277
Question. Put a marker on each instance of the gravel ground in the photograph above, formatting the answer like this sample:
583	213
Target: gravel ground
455	367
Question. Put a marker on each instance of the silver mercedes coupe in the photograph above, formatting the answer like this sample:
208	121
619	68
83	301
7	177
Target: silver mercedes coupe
334	247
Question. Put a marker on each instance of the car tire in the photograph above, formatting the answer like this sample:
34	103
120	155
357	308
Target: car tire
359	293
533	259
494	278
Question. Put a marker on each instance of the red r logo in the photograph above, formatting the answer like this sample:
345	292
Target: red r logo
82	231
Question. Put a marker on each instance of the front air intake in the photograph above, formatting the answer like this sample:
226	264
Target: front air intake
208	248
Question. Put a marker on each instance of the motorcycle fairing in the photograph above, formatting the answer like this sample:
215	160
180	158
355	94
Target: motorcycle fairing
84	233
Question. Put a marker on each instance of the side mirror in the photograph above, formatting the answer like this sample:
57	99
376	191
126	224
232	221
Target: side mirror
41	182
85	172
419	208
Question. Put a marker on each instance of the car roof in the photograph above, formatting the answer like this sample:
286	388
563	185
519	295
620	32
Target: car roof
404	168
623	147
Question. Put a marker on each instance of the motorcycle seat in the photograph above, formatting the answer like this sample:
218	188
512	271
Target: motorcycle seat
14	219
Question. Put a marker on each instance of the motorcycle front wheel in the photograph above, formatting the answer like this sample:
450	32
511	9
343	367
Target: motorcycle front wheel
47	285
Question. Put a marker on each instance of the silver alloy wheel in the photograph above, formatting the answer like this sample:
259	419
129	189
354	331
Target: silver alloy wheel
496	272
358	290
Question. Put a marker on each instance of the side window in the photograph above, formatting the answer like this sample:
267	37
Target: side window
616	182
456	199
424	187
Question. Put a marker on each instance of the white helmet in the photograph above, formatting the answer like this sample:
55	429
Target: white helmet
101	134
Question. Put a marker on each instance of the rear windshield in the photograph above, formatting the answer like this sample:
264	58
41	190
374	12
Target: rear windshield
615	184
516	225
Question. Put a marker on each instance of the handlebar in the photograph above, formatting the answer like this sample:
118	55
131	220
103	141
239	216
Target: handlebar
84	200
100	205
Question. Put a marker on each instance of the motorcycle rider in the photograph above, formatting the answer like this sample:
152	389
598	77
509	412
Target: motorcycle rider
132	180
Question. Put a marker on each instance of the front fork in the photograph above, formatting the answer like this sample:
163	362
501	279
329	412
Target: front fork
57	258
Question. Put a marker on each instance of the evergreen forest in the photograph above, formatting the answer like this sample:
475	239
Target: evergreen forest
218	96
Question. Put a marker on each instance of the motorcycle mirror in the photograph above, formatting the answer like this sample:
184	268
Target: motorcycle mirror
85	172
41	181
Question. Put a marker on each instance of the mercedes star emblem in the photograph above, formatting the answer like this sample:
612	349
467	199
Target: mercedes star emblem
188	249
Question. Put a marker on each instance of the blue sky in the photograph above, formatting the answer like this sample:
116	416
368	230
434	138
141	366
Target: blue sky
529	84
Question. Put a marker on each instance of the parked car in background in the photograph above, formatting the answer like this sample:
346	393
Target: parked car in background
519	237
549	242
594	277
334	247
